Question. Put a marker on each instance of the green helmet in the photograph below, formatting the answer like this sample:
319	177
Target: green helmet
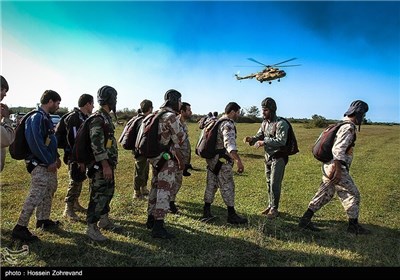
107	95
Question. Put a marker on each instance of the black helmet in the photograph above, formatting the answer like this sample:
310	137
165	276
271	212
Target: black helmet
171	98
107	95
269	103
357	108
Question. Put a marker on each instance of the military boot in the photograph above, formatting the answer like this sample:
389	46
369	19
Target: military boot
207	216
305	223
235	219
150	221
22	233
159	231
172	207
355	228
78	207
106	223
94	233
69	211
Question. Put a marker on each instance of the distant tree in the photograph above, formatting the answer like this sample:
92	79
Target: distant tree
318	121
253	112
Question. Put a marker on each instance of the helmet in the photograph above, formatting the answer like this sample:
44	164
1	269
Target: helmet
357	108
269	103
172	98
107	95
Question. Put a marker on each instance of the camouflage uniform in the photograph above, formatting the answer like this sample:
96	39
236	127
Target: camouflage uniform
164	180
226	138
101	191
186	154
43	145
274	134
346	189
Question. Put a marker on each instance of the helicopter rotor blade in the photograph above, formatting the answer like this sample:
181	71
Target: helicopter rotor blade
290	65
252	59
284	61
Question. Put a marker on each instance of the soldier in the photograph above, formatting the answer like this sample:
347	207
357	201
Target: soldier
184	116
72	122
336	176
42	164
101	171
219	168
164	179
272	135
141	174
7	132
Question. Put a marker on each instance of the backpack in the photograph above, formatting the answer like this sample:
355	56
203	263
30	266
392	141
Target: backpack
322	149
206	146
129	134
19	149
61	131
82	151
147	140
291	147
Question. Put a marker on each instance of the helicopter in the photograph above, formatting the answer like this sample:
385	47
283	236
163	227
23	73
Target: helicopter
269	73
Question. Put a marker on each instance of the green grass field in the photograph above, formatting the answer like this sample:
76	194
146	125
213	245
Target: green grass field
262	243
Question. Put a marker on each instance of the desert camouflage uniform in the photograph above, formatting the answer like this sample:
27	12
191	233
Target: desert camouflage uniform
163	180
275	135
186	153
346	189
101	191
44	153
226	138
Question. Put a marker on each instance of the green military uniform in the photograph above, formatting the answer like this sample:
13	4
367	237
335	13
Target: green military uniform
104	148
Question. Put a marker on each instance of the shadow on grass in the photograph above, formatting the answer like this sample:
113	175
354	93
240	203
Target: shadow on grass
197	245
334	235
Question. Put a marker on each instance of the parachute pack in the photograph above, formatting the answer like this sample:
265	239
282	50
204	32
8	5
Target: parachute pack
129	134
82	151
19	149
322	149
206	147
147	140
291	147
61	131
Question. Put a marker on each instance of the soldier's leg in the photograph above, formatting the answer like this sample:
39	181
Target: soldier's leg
267	165
227	188
211	181
101	193
349	196
141	176
36	194
153	192
44	208
226	184
277	172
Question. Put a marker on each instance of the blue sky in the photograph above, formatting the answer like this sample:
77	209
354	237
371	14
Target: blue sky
347	51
